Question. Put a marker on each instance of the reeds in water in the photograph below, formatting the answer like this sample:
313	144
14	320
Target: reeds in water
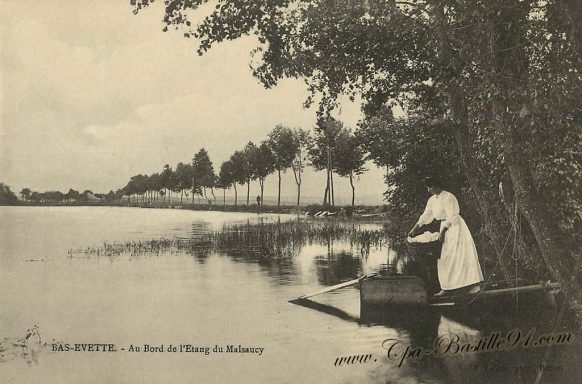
266	240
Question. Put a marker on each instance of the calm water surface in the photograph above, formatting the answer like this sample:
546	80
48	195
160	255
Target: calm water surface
216	298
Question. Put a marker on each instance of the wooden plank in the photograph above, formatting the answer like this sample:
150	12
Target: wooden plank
443	304
453	299
527	288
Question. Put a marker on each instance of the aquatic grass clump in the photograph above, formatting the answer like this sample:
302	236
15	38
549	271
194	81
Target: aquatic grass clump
154	247
265	240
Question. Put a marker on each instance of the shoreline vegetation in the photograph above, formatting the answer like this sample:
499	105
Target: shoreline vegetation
370	212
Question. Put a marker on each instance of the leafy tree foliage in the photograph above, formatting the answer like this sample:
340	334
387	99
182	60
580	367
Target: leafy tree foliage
154	185
375	137
25	193
300	160
241	171
248	166
322	150
226	178
137	185
284	145
263	163
6	195
110	196
349	158
168	180
184	175
203	170
72	195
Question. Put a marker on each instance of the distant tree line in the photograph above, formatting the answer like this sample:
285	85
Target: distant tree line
6	195
28	195
330	147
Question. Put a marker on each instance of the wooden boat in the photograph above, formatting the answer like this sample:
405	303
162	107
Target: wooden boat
412	291
399	301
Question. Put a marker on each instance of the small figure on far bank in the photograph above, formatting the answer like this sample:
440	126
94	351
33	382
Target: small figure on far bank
458	265
258	200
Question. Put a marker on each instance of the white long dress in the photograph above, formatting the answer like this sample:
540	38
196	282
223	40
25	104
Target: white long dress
458	265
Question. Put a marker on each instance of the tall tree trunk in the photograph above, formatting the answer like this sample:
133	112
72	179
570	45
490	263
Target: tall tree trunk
326	196
279	193
235	194
330	167
325	193
224	196
262	184
330	176
331	188
297	175
193	190
248	190
353	189
298	194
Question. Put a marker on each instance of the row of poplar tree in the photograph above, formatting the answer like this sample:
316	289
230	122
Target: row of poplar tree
330	147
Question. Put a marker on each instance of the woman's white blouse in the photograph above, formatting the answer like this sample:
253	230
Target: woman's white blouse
443	206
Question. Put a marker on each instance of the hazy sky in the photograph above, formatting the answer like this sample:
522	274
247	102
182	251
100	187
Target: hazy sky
92	94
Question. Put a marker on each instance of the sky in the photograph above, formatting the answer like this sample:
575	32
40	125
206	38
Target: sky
91	94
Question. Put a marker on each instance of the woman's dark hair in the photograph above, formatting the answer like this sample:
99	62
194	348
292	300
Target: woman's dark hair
432	181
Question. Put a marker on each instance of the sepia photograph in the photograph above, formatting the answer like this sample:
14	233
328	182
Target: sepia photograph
291	191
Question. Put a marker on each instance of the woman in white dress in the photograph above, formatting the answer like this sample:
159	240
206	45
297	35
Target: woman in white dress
458	265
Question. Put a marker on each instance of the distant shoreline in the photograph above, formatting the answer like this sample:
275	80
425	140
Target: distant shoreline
364	211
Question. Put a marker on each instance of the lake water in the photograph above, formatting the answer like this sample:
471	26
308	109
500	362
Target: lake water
220	298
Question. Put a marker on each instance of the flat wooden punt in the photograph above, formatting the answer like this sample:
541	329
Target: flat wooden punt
411	290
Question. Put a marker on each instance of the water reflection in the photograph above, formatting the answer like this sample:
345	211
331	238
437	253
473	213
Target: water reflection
520	365
326	251
228	278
